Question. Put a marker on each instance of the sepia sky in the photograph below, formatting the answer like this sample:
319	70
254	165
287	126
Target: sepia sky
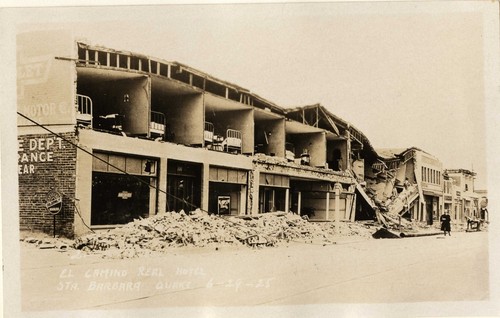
406	74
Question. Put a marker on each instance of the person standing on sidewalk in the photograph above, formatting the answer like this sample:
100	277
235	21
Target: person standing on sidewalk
445	223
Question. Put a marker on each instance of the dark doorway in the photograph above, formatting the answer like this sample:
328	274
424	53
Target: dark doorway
336	165
183	186
428	207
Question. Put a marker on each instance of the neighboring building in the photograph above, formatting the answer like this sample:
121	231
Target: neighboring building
450	198
467	201
106	136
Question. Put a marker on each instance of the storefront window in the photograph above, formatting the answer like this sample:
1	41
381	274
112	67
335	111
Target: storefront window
271	199
119	198
123	188
224	198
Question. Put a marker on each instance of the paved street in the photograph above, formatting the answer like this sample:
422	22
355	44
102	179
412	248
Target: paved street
423	269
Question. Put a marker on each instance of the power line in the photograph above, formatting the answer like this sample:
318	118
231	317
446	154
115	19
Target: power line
142	181
88	152
126	173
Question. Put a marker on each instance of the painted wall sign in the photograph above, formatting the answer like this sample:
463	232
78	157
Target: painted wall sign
34	151
46	86
53	202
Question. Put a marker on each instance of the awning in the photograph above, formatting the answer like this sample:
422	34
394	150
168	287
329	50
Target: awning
432	193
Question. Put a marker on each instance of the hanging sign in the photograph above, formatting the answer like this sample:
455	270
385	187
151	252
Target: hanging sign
53	202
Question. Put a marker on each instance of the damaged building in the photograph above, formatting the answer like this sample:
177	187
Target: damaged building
411	185
407	184
108	136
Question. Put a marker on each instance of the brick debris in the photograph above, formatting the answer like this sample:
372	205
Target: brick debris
168	230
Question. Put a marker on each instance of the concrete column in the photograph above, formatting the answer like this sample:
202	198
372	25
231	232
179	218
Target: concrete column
287	198
152	197
162	185
83	192
299	203
255	193
205	186
243	200
273	200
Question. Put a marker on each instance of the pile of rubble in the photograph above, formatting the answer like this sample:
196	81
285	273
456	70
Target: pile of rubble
360	229
175	229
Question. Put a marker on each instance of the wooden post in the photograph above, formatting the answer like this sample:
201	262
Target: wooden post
353	208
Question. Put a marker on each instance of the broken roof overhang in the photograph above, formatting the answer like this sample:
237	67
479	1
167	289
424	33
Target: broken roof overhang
262	114
365	196
321	114
295	127
391	153
185	68
334	123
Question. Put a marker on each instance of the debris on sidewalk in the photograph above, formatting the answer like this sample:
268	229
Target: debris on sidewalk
44	241
176	229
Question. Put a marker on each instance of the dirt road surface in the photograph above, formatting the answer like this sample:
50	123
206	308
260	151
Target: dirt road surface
410	270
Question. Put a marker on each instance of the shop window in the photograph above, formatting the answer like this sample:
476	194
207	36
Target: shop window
224	198
119	198
271	199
